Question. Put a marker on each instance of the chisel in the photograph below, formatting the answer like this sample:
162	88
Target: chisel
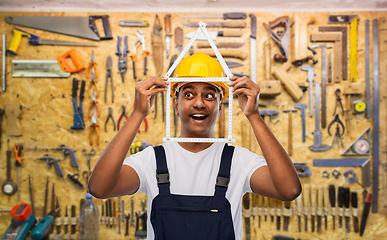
347	210
66	222
299	211
332	200
247	215
272	208
287	212
74	224
355	211
340	200
254	205
58	218
279	213
313	198
260	210
266	207
306	196
327	208
366	211
320	211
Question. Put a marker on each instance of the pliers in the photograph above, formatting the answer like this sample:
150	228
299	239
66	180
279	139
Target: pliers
94	128
339	122
140	41
122	64
92	74
109	75
110	116
94	104
123	114
338	102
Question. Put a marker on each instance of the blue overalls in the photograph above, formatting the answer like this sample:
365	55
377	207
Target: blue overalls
183	217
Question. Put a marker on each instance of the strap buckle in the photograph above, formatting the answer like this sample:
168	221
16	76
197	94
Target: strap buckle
222	182
162	178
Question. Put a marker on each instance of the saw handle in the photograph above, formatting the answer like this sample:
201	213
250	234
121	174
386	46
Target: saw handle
280	22
15	41
105	23
74	57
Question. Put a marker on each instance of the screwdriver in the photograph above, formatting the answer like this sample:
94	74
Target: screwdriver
18	153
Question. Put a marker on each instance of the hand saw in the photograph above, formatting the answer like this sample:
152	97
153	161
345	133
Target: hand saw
83	27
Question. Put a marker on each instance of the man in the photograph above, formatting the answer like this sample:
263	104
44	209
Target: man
197	190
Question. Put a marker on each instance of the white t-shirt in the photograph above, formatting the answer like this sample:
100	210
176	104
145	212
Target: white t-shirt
195	174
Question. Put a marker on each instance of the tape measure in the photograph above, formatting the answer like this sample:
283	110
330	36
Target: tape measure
359	106
361	146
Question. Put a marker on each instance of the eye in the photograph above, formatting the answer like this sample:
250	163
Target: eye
210	96
188	95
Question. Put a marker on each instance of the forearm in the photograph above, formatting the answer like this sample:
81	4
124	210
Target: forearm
106	171
282	172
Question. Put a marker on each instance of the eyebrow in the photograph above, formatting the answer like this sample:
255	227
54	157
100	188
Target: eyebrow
193	88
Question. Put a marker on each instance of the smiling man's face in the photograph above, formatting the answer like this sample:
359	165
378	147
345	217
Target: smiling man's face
198	105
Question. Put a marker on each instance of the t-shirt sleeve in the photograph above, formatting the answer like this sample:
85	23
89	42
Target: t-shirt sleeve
252	163
138	162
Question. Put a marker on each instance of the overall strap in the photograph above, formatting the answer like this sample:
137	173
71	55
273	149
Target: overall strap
224	171
162	174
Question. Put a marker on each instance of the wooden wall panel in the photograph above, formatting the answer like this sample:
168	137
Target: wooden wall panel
48	115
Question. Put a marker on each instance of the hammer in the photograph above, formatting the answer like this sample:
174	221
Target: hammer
267	112
290	130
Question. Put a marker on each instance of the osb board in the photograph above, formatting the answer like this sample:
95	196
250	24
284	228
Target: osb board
48	115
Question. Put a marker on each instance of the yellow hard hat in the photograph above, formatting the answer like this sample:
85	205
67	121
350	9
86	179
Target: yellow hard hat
200	65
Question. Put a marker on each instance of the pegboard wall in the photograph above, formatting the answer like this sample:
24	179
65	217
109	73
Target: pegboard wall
47	116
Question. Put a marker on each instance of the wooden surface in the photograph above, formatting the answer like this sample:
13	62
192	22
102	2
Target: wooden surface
47	116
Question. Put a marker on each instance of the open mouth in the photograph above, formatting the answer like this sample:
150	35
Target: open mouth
199	117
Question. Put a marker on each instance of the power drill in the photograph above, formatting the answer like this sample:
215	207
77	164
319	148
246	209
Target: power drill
22	222
43	228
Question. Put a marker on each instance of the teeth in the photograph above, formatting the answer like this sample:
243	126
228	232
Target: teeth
198	115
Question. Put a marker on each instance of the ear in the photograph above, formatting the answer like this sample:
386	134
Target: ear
175	105
220	106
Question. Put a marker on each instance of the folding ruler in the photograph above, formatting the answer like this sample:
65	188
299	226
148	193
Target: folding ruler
168	138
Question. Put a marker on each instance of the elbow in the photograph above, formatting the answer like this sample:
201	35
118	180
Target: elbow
96	191
292	193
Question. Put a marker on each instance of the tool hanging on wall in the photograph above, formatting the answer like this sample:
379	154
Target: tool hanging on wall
9	187
299	40
65	150
227	53
31	195
318	146
94	105
123	114
302	107
83	27
136	23
337	51
92	73
22	222
179	39
18	148
361	146
290	130
157	52
288	81
234	15
94	128
110	116
78	109
53	161
215	35
269	87
168	35
351	20
140	41
109	75
122	64
36	40
367	68
280	38
310	79
225	24
253	48
3	76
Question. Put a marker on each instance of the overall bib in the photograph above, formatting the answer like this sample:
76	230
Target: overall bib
183	217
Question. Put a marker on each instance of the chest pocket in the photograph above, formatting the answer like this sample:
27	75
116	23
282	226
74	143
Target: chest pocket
177	217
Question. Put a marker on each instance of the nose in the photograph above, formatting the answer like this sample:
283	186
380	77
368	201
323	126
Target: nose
199	102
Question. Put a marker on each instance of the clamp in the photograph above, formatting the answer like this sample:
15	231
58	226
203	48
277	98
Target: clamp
123	114
94	128
140	41
110	116
94	103
122	64
338	102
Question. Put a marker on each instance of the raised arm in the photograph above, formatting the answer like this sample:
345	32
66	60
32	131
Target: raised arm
109	177
279	178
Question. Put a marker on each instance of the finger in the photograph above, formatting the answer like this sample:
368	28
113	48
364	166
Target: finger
151	82
238	80
249	93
